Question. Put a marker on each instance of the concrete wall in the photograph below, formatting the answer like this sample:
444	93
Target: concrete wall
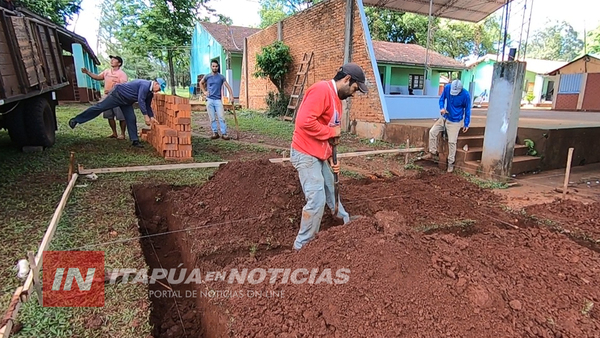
319	29
553	145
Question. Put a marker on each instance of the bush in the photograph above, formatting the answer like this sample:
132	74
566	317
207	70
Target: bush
277	104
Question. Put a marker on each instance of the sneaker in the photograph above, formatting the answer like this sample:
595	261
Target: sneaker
72	123
450	168
214	136
225	137
137	144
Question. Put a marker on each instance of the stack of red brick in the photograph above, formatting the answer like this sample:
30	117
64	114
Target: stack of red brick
172	136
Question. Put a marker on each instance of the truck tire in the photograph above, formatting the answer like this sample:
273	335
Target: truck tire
15	123
40	122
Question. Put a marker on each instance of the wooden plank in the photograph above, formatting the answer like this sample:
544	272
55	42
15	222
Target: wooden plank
13	47
363	153
50	231
55	54
150	168
11	313
27	50
45	50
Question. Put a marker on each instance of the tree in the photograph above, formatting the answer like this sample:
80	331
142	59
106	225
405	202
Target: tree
273	11
274	63
159	29
593	41
59	11
557	41
452	38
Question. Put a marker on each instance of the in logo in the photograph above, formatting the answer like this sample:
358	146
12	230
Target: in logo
73	278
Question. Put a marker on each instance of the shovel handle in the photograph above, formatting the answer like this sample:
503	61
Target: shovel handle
335	178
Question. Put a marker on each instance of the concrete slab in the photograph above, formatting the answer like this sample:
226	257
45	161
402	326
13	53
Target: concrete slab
529	118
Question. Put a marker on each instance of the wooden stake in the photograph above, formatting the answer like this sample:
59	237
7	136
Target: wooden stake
50	231
71	165
567	172
406	155
36	276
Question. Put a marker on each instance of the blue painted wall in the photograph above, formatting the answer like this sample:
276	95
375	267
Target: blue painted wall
82	59
204	49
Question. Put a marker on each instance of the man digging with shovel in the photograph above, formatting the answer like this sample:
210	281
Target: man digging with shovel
455	108
316	135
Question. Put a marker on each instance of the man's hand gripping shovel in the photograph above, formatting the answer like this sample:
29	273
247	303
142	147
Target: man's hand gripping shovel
334	142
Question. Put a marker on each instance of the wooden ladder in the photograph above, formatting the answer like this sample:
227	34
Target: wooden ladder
298	89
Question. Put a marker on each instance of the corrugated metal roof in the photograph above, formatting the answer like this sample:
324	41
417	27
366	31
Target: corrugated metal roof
465	10
231	38
411	54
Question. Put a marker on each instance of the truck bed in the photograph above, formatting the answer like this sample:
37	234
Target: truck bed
31	60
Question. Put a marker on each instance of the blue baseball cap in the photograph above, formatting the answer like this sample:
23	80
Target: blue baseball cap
162	83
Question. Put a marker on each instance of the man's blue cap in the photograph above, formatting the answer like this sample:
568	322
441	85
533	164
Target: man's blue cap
162	83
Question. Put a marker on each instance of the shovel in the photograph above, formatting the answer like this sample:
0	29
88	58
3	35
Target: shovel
237	127
443	152
334	142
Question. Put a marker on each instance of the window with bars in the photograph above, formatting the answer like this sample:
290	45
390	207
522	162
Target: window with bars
416	81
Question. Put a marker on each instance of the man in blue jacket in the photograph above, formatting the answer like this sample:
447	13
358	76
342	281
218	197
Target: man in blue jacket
455	108
124	95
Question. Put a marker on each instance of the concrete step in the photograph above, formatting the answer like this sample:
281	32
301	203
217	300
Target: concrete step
521	164
525	163
473	131
475	153
472	141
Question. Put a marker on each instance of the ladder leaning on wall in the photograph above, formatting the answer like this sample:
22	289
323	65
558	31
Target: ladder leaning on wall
298	89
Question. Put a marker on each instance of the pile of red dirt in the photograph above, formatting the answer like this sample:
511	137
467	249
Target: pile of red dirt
577	217
434	256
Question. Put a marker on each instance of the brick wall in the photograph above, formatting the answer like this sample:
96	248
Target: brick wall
319	29
591	99
566	101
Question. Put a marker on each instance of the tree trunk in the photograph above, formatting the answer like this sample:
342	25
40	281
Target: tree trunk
171	71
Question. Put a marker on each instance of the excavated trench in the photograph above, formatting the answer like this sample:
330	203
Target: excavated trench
434	254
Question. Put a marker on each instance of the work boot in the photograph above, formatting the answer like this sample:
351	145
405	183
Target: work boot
137	144
450	168
214	136
225	137
428	156
72	123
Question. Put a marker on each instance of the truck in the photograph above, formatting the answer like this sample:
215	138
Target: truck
31	71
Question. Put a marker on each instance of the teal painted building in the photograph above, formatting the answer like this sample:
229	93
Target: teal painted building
211	41
478	78
401	67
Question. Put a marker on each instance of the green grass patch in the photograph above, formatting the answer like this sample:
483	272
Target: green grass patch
260	123
98	212
483	183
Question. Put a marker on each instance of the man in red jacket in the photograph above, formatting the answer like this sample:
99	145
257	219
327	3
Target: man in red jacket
317	121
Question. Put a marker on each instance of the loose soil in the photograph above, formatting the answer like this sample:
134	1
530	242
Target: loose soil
433	255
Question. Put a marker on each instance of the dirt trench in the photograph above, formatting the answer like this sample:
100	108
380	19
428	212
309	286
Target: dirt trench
434	255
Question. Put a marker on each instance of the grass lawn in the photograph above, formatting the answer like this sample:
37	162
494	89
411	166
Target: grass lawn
97	212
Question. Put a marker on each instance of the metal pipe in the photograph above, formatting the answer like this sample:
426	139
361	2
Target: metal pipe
427	50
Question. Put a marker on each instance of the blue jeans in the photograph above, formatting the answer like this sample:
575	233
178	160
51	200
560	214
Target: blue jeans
113	100
216	111
318	185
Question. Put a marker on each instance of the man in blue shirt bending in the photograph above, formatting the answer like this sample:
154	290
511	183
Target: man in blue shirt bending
455	108
124	95
213	83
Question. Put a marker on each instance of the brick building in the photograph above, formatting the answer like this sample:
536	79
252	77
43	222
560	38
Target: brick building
578	85
336	31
